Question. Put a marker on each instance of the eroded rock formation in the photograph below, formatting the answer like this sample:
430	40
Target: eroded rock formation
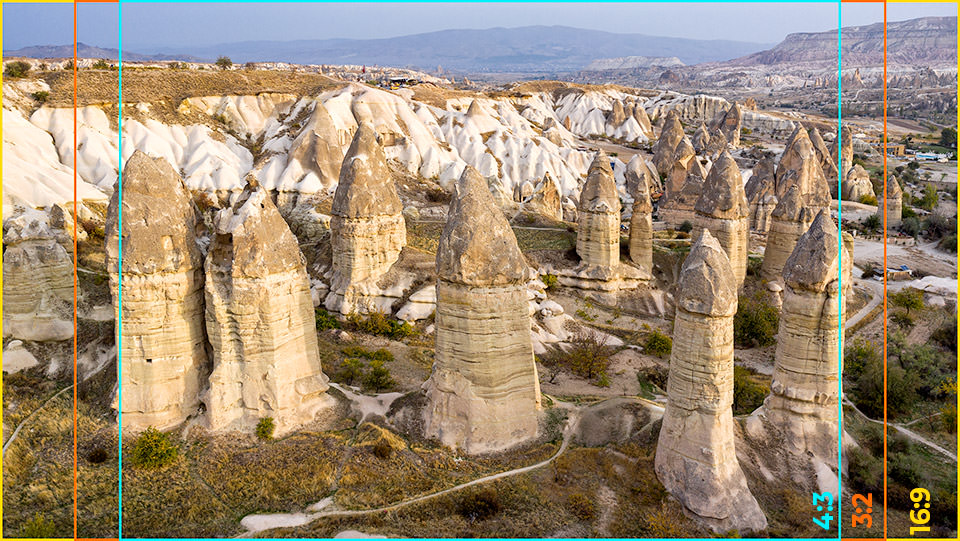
760	194
483	394
799	165
367	228
730	125
857	185
683	187
260	320
164	361
666	145
701	138
37	279
894	204
788	222
827	164
546	199
641	225
722	208
696	460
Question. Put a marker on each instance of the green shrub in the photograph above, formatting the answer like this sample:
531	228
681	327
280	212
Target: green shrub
153	449
549	280
40	96
864	472
382	449
903	320
38	527
97	456
756	322
686	226
265	428
224	62
588	355
908	298
748	394
907	211
949	243
868	199
381	354
911	226
581	506
326	320
753	266
658	344
930	198
378	378
101	65
349	372
872	222
479	504
379	324
16	70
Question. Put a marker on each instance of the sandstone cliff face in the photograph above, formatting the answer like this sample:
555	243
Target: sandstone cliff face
161	323
722	209
696	460
788	222
666	145
641	224
260	321
857	184
367	227
800	166
894	204
37	279
802	405
483	394
598	235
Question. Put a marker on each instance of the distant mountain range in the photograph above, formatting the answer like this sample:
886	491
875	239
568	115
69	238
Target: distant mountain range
529	49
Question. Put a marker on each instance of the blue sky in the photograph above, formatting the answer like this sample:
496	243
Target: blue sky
183	24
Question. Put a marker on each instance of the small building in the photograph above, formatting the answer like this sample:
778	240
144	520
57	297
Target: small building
902	272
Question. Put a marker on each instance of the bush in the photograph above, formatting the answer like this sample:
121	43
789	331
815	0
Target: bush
581	506
479	504
549	280
38	527
588	355
903	320
911	226
265	428
685	227
755	323
101	65
658	344
16	70
870	272
378	378
224	62
906	211
868	199
864	472
949	243
326	320
908	298
930	198
40	96
381	354
349	372
748	394
872	222
97	456
153	449
753	266
379	324
946	334
382	449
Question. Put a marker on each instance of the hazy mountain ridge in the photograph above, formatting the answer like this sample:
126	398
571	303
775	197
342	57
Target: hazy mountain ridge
92	51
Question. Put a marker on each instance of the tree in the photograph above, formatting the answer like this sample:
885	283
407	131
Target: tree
16	70
224	62
948	138
908	298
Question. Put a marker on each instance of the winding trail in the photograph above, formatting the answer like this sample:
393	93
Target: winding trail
910	434
23	423
876	290
259	523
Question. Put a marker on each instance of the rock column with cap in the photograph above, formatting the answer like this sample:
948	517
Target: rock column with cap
367	226
483	394
722	208
788	222
666	145
164	360
260	320
598	235
695	458
894	204
641	219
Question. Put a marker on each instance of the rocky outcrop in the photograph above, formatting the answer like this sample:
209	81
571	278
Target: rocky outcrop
695	459
641	224
843	153
546	199
760	195
598	234
522	191
730	124
666	145
788	222
367	228
483	394
316	151
803	401
827	164
718	144
640	115
701	138
857	185
894	204
638	171
260	320
799	165
164	360
37	279
722	209
683	186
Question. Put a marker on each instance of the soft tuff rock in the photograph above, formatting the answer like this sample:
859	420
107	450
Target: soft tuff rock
799	165
695	459
722	208
641	223
683	187
730	125
845	151
760	194
367	227
163	345
827	164
546	200
857	185
260	321
788	222
701	138
666	145
598	237
803	401
894	204
483	394
37	279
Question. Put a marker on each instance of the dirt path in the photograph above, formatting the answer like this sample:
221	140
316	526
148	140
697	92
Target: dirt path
910	434
24	422
258	523
876	292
